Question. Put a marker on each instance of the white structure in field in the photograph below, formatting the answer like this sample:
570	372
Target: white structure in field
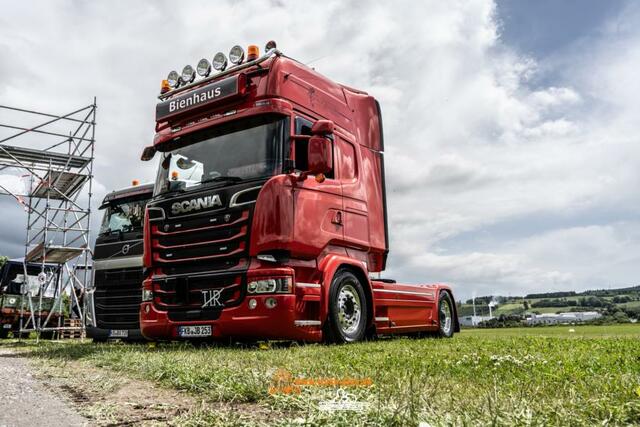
473	320
560	318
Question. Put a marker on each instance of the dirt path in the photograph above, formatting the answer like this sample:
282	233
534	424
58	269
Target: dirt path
26	401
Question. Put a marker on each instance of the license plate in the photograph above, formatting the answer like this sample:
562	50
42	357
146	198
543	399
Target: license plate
6	326
194	331
118	333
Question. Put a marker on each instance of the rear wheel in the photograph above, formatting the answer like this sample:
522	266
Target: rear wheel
445	315
347	319
3	332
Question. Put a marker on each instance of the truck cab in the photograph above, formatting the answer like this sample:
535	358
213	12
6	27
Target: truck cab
15	289
117	266
269	214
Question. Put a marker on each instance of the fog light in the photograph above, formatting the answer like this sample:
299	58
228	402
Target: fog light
12	300
236	55
203	68
173	79
147	295
219	61
252	304
270	302
188	74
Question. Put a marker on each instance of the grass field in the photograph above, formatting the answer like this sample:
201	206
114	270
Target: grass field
524	376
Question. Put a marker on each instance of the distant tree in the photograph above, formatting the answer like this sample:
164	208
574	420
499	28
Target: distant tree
3	260
525	303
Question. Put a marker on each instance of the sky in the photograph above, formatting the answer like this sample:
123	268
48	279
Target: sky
511	129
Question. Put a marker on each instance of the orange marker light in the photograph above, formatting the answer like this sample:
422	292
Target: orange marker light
135	182
164	87
174	175
320	178
252	52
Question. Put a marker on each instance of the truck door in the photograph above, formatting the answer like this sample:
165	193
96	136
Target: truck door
356	223
317	205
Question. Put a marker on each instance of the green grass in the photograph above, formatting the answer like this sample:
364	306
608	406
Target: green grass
520	376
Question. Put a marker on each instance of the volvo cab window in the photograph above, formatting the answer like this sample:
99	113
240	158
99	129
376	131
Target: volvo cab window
123	217
238	151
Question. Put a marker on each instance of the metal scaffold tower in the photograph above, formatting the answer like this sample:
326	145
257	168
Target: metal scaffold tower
51	184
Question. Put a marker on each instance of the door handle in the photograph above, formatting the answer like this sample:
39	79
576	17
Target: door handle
337	218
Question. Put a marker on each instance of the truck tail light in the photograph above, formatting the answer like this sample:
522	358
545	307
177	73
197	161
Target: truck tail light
253	52
164	86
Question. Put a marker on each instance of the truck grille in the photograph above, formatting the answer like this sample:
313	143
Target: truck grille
117	298
196	254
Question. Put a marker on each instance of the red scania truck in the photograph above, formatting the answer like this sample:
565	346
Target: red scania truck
269	216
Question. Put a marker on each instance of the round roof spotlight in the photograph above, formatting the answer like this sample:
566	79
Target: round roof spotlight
270	45
188	74
219	61
203	68
236	55
173	79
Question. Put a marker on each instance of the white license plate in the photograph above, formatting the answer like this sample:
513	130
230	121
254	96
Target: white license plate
118	333
194	331
6	326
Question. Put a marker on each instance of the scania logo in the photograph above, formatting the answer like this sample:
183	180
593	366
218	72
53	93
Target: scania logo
196	204
125	249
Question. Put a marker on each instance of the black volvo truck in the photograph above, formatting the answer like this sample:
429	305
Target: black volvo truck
115	298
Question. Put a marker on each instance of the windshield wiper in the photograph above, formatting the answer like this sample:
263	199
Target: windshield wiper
222	178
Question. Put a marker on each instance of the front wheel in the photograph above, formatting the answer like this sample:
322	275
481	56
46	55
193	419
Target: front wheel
445	315
347	319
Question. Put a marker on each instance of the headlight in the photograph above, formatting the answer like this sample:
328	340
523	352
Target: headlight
219	62
12	300
204	67
270	286
174	79
236	55
147	295
188	74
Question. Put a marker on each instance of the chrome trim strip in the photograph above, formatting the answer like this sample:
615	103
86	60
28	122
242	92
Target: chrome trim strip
308	285
307	322
232	202
123	262
118	242
391	291
382	319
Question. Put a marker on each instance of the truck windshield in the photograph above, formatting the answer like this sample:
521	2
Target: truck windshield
241	150
123	217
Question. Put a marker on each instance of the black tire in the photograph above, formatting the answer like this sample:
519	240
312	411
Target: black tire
347	317
446	321
4	333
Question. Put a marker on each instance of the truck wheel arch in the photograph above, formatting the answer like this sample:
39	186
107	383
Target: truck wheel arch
329	266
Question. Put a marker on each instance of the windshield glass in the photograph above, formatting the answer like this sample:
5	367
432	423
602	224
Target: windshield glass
242	150
123	217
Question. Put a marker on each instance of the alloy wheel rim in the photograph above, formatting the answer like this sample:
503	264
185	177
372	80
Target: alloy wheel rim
349	309
445	317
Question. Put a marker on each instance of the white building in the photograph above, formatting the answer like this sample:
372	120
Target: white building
562	318
473	320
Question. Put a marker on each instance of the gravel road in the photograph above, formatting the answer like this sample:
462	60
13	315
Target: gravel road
25	401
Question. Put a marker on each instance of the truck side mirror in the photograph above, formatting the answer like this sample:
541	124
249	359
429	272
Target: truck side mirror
148	153
319	155
322	127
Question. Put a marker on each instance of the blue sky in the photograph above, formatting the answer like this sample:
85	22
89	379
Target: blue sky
511	131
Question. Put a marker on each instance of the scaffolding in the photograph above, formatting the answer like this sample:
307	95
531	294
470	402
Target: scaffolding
58	230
